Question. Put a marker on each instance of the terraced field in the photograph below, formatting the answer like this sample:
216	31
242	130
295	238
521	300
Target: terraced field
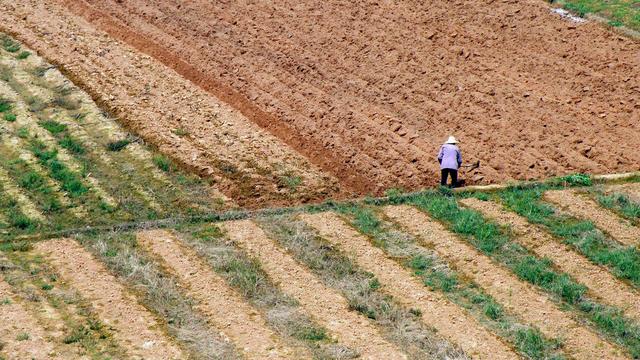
65	163
545	270
134	186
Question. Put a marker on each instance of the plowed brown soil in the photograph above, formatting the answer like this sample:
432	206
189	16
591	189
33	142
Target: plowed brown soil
223	307
134	327
582	207
15	322
369	90
449	320
600	282
518	297
320	302
194	127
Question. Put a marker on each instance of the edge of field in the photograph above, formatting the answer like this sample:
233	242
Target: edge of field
391	196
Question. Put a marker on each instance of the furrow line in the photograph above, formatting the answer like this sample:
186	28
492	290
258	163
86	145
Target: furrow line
571	202
135	328
447	318
183	105
26	120
599	280
11	142
22	337
107	129
324	304
518	297
54	76
221	305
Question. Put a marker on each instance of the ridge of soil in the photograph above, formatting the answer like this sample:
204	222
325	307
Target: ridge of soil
221	305
529	93
324	304
598	279
518	297
248	164
134	326
450	321
580	206
16	320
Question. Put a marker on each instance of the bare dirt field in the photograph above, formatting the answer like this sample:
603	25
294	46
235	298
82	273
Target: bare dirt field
369	92
181	120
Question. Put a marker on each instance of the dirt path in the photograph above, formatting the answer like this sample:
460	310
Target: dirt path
324	304
21	335
135	329
449	320
517	296
223	307
580	206
247	162
599	280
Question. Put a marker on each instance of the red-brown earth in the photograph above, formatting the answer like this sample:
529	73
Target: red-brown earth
369	90
377	86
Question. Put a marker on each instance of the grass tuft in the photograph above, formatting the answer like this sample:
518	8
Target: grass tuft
23	55
9	44
118	145
162	162
5	105
53	126
71	144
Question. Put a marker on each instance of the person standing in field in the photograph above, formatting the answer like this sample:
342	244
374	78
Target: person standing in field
450	160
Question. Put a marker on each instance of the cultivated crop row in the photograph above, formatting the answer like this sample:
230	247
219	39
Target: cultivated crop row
66	163
474	275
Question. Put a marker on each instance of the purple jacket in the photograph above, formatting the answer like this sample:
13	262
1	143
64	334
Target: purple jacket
449	157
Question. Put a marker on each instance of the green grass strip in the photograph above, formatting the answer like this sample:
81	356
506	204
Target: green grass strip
34	184
529	341
618	12
583	235
494	241
70	181
14	216
620	203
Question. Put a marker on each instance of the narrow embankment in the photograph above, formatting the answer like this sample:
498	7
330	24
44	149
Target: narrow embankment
324	304
20	334
221	305
449	320
601	283
519	297
573	203
135	329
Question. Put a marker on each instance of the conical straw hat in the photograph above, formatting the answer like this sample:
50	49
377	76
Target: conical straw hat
451	140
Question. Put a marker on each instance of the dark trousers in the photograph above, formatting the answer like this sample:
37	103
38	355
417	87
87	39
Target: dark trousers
445	173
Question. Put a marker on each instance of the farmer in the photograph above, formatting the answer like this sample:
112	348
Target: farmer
450	160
